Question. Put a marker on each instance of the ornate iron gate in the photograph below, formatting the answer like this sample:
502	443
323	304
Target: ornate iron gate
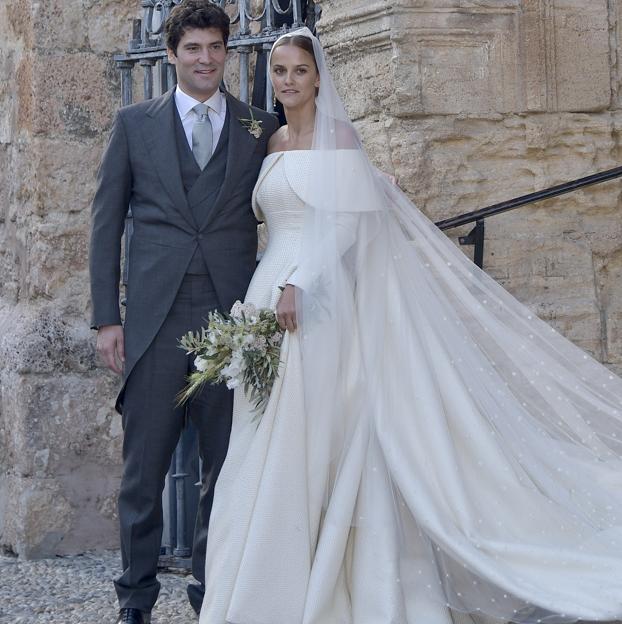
256	24
252	32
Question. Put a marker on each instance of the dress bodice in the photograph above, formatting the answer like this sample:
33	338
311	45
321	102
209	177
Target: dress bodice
276	203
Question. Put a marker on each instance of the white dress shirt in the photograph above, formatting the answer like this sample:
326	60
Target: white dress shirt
217	112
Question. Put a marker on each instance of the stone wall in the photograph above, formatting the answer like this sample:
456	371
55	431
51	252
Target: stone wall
59	437
468	102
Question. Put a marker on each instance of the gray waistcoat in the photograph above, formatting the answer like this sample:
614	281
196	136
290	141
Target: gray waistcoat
201	185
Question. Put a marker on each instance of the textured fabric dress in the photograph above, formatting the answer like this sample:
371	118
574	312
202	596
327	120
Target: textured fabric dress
284	550
262	494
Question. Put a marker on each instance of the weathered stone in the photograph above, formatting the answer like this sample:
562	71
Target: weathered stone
580	55
59	25
60	515
455	57
59	433
71	101
7	100
37	517
608	277
109	24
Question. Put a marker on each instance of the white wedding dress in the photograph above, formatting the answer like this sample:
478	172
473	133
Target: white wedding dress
397	537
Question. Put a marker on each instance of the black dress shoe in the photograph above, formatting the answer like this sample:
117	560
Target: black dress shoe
133	616
195	596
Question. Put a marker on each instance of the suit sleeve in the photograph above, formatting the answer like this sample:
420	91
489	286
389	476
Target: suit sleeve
109	209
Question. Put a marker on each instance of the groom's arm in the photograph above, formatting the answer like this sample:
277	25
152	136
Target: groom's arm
109	209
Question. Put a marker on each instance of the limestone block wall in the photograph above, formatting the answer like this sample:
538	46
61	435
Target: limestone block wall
470	102
59	436
467	102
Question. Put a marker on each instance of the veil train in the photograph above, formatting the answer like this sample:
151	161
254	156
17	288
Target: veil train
488	445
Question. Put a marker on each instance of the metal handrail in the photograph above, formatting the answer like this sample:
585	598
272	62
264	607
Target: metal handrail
553	191
476	236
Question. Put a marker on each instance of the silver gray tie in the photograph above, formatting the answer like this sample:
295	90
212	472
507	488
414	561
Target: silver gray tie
202	136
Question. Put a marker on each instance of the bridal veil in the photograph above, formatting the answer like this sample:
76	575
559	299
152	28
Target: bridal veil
471	424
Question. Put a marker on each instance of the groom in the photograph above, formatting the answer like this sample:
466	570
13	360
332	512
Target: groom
186	163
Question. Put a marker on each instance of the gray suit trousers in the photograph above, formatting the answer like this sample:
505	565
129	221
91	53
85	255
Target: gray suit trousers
152	426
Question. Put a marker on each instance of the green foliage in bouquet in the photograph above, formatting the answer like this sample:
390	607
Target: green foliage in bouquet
239	349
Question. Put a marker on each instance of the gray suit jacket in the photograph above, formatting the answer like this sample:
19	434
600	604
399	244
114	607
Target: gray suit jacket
140	169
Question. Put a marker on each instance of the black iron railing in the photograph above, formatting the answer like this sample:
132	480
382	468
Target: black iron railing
255	27
476	235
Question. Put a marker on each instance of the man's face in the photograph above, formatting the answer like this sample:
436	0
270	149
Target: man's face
200	62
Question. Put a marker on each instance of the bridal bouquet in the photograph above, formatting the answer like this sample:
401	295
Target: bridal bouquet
241	348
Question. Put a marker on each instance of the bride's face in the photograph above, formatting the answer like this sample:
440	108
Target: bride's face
294	76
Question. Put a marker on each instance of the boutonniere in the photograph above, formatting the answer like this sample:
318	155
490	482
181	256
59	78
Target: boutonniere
252	125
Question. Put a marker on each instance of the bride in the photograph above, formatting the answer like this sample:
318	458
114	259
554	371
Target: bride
430	448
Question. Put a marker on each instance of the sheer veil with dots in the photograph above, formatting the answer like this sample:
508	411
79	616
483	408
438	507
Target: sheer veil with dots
488	446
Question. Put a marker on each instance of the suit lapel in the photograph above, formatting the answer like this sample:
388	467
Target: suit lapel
239	149
159	137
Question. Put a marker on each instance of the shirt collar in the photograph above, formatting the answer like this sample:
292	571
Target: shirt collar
185	102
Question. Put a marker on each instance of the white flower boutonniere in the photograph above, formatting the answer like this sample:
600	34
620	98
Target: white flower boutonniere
252	125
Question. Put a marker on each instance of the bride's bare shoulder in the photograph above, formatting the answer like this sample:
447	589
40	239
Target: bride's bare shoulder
277	140
345	138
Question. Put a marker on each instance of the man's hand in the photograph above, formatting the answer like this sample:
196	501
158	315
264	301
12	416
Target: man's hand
111	347
286	309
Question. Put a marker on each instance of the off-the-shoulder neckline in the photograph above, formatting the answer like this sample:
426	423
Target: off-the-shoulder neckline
287	151
342	149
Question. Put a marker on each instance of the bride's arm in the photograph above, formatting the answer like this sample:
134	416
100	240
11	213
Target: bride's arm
309	274
286	309
333	223
334	247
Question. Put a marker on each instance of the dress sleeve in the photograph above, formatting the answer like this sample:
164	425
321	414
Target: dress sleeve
335	230
309	270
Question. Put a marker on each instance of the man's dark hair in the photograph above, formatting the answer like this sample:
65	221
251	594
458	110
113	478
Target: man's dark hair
194	14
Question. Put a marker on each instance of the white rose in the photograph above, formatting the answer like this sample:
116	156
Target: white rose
259	343
233	383
235	367
237	309
250	311
200	363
